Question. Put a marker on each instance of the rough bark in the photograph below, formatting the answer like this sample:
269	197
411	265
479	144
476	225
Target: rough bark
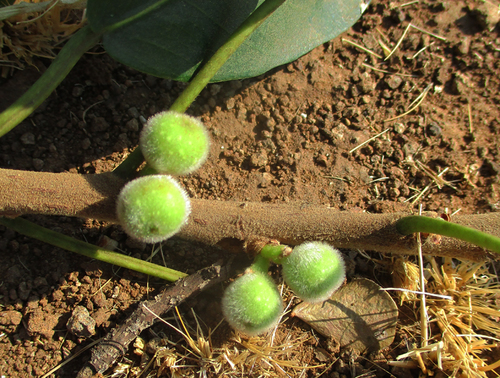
229	224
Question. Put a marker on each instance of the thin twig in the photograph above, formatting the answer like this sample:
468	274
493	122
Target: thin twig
362	48
420	99
423	305
399	42
369	140
428	32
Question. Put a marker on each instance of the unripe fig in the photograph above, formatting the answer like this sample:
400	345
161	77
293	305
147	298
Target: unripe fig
314	270
252	303
152	208
174	143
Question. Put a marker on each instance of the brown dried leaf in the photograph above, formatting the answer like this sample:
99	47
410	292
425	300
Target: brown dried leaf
359	316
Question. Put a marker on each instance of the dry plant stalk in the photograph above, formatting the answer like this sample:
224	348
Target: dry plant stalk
468	322
31	34
230	224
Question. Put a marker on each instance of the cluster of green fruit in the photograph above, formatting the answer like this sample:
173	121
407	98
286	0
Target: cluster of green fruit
153	208
252	303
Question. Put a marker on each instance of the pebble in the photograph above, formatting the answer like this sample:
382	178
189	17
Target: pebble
399	128
38	164
23	291
99	124
393	81
259	160
10	318
322	160
133	112
367	83
487	14
433	129
77	91
81	324
27	138
86	143
132	125
230	104
463	46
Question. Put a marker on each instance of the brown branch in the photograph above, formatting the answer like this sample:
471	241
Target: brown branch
228	224
115	344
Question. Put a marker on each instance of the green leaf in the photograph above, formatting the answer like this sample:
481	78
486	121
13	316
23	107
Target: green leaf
171	38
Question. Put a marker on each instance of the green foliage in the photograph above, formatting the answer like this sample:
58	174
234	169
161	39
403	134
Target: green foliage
172	38
252	303
314	270
174	143
152	208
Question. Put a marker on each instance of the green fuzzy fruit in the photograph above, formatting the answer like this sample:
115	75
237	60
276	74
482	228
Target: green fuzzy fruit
152	208
252	303
314	270
174	143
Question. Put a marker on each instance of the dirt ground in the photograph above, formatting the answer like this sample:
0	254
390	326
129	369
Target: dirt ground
292	135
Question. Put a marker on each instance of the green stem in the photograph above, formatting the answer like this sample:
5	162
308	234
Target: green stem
260	264
78	44
126	169
208	71
66	242
414	223
213	65
273	252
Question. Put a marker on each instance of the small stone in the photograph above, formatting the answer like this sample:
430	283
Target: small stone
354	91
99	124
81	324
23	291
393	81
322	160
399	128
457	86
393	193
107	243
265	180
259	160
365	99
133	112
10	318
52	148
28	138
433	129
86	143
132	125
77	91
367	83
38	164
463	46
487	14
230	103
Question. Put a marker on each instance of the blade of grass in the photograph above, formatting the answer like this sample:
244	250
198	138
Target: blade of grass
68	243
414	223
69	55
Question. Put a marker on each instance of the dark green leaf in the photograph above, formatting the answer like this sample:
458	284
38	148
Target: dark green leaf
170	38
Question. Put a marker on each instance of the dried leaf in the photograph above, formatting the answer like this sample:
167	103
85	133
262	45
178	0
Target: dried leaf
359	316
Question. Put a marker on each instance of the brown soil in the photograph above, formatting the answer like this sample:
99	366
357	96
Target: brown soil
287	136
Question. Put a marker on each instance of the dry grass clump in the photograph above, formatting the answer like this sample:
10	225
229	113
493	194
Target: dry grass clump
280	353
35	28
463	328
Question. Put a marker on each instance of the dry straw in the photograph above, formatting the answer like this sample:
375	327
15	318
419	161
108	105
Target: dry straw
36	28
463	328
